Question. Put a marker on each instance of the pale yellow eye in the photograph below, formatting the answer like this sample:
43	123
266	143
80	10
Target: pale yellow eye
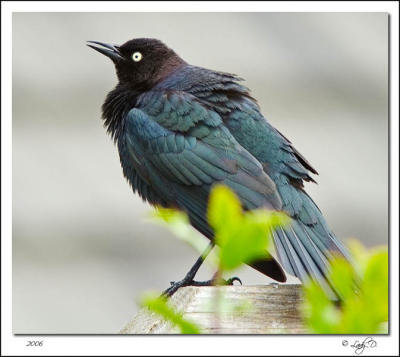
137	56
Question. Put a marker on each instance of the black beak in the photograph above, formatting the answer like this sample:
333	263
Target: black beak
111	51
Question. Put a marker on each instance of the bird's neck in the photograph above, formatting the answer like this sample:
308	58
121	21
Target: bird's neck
115	108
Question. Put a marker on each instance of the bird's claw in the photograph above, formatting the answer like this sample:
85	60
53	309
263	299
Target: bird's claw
233	279
175	285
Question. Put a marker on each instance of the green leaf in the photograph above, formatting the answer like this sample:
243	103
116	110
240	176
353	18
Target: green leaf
342	275
178	223
375	282
363	290
243	237
159	305
318	312
223	208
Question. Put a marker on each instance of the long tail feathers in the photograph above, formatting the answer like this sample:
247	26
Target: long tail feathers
305	253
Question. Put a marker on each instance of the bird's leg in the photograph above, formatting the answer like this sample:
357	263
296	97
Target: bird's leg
188	279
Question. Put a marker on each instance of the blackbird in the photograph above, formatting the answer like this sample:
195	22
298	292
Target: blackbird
180	129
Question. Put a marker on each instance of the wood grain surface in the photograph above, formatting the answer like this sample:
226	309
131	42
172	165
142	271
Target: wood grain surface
266	309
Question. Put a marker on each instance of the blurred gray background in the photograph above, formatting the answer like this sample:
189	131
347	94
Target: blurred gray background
83	248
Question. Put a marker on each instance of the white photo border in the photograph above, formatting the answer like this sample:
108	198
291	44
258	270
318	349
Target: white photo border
190	345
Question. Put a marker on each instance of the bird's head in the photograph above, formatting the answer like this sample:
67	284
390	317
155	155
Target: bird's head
140	63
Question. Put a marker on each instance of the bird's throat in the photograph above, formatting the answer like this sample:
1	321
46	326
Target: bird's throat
115	108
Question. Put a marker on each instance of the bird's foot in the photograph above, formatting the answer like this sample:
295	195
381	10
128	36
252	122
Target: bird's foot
175	285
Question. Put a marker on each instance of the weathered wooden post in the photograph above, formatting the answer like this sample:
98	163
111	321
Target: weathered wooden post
274	309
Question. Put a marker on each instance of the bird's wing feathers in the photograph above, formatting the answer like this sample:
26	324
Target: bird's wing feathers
182	140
